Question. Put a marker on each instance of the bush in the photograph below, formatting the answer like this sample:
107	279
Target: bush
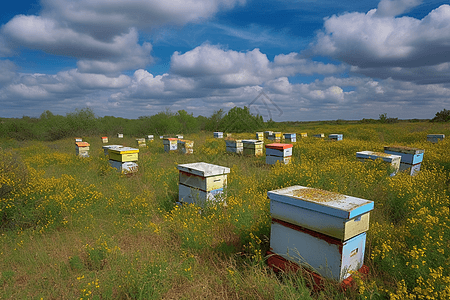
442	116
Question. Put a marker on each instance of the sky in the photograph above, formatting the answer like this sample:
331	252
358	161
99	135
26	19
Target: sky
288	60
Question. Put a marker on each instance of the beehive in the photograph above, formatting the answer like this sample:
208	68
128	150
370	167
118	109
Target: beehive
252	147
260	136
201	182
150	138
127	167
318	229
330	258
120	135
218	135
276	136
170	144
267	134
335	215
141	142
123	154
185	146
104	139
78	140
303	134
161	137
106	148
434	138
411	158
393	160
278	152
179	136
319	135
290	137
228	135
336	136
234	146
82	149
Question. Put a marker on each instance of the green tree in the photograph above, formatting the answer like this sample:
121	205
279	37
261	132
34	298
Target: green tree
442	116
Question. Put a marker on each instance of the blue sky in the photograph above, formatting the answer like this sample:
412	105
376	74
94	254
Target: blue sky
297	60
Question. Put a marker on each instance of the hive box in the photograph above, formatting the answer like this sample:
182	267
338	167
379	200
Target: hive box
331	258
170	144
271	160
234	146
338	216
104	139
185	146
303	134
123	154
82	149
277	149
336	136
150	137
106	148
179	136
141	142
120	135
200	182
276	136
434	138
218	135
124	167
78	140
320	135
411	158
252	147
260	136
290	137
393	160
267	134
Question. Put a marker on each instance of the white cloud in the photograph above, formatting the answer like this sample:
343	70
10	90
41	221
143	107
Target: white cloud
391	8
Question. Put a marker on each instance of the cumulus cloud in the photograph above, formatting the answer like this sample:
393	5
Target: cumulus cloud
378	39
391	8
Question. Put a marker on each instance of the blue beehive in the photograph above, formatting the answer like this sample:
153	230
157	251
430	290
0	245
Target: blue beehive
336	136
411	158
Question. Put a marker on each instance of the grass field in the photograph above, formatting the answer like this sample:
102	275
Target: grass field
74	228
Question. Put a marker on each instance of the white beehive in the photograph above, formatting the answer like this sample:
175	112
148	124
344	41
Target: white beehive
278	152
82	149
106	148
78	140
290	137
120	135
336	136
218	135
260	136
127	167
393	160
234	146
201	182
179	136
150	137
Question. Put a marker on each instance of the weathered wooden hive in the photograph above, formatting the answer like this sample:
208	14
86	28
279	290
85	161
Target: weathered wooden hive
434	138
393	160
234	146
201	182
320	230
336	136
185	146
252	147
124	159
411	158
290	137
82	149
278	152
170	144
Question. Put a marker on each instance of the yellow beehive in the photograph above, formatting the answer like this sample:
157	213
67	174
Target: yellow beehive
104	139
185	146
303	134
123	154
252	147
141	142
260	136
82	149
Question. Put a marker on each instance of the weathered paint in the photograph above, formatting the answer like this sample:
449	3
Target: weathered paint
393	160
203	183
345	207
434	138
336	136
171	147
124	167
188	194
331	258
203	169
271	160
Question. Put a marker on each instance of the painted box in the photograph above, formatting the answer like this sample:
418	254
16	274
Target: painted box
179	136
267	134
411	158
106	148
203	183
303	134
78	140
185	146
123	154
252	147
319	135
120	135
104	139
203	169
141	142
127	167
434	138
290	137
260	136
82	149
336	136
329	257
150	137
277	149
170	144
233	143
188	194
237	150
218	135
393	160
332	214
271	160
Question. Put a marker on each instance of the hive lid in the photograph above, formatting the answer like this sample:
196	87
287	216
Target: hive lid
404	149
375	155
203	169
171	139
82	144
278	146
123	150
112	146
342	206
252	141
